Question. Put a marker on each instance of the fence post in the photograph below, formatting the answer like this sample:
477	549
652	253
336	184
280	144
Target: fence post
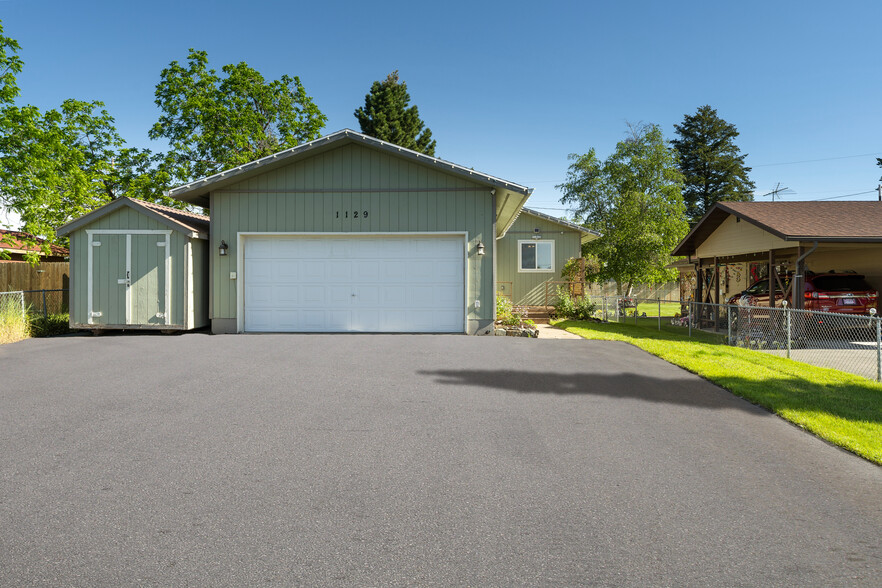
659	314
45	312
728	325
635	312
787	322
689	319
879	349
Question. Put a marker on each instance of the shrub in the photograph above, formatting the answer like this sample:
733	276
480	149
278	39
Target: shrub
49	326
580	308
509	316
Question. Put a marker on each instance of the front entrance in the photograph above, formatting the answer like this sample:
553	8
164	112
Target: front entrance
128	278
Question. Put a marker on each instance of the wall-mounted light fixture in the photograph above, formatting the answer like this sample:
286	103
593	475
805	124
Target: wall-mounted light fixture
480	248
222	249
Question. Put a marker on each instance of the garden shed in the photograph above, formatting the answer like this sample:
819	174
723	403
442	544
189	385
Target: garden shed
138	265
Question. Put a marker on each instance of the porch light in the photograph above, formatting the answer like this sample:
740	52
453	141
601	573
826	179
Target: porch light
222	249
480	248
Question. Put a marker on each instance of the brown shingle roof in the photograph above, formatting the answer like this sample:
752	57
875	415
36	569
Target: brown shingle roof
794	221
15	241
195	222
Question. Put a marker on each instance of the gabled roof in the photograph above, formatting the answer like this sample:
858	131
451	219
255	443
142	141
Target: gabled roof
510	197
587	234
843	222
191	224
15	242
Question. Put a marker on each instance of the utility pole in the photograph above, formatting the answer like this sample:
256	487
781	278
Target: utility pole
879	189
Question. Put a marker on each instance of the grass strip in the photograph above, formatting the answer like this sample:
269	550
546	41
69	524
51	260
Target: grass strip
842	408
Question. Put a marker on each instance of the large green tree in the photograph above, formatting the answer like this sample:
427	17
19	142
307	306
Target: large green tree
215	122
59	164
712	164
386	116
633	198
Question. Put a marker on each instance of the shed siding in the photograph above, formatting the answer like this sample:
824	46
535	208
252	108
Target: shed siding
123	219
528	288
322	193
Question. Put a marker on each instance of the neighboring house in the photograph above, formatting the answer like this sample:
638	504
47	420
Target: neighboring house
15	244
345	233
736	241
532	254
137	264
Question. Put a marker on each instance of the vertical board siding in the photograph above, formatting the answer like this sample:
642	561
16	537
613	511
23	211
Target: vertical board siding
347	179
528	288
144	253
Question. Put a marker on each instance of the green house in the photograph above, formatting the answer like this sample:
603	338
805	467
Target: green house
346	233
532	254
138	265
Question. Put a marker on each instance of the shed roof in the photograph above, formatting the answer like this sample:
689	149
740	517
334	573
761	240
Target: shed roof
192	224
794	221
587	234
510	197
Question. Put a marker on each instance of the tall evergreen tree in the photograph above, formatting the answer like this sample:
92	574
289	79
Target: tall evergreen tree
386	116
710	161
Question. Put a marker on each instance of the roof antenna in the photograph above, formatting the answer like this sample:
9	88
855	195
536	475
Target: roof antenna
778	191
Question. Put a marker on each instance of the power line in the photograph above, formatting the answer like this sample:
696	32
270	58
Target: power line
847	195
816	160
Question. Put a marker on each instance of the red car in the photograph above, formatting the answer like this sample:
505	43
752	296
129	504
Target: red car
842	292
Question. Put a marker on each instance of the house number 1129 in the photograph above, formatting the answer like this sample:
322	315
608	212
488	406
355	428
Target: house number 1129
355	214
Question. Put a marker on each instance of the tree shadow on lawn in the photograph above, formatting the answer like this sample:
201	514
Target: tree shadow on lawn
777	395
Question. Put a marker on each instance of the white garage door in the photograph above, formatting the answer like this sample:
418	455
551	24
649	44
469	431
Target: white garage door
354	284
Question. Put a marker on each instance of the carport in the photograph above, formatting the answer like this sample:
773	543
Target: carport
790	237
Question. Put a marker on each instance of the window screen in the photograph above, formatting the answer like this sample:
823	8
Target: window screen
537	255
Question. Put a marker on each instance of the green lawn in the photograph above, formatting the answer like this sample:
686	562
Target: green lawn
842	408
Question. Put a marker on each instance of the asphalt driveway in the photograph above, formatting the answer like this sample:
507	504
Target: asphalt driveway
409	460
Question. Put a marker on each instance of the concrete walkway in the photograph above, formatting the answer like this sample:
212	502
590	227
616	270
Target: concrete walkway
549	332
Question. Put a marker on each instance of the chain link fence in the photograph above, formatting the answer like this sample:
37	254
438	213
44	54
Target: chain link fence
12	303
47	302
847	342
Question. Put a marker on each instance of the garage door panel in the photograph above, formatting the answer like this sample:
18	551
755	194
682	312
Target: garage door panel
313	296
259	296
338	296
395	296
366	296
339	271
287	270
365	321
259	248
353	283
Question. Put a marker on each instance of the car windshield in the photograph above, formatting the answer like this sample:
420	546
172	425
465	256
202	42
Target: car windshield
841	284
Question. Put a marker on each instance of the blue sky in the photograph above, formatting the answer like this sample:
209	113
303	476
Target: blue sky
509	88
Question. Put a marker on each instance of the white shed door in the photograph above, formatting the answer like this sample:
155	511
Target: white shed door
372	284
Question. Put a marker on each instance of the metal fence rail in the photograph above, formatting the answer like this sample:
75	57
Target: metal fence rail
846	342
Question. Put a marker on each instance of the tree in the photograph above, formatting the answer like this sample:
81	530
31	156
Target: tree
712	166
62	163
217	122
634	200
386	116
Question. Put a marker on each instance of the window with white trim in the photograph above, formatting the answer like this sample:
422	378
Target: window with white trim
535	256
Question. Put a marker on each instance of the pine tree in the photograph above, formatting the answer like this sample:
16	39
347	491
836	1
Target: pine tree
711	163
386	116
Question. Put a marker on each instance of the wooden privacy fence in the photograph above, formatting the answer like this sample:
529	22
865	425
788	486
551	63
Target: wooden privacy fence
20	275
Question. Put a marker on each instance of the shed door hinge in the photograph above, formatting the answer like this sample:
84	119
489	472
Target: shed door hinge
95	314
96	243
